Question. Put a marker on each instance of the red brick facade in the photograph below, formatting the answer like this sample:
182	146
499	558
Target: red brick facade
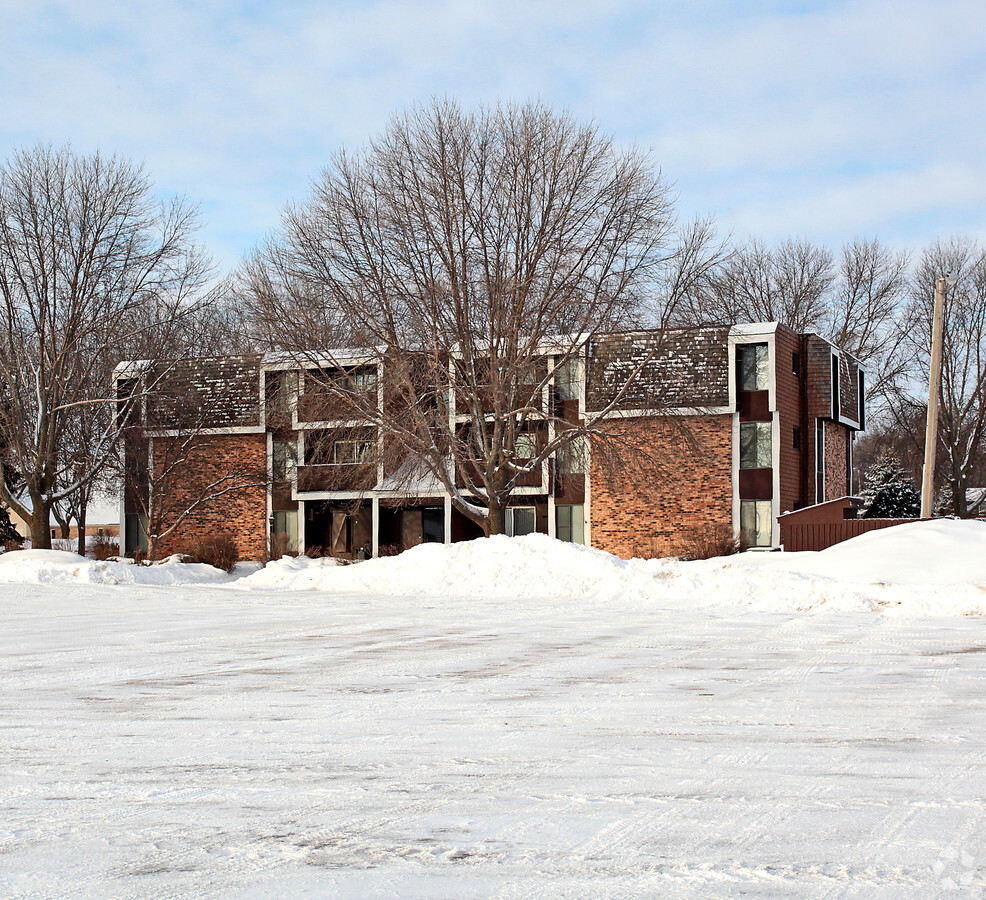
675	483
241	513
680	485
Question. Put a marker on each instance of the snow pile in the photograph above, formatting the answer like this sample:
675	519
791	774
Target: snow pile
63	567
495	568
290	574
921	568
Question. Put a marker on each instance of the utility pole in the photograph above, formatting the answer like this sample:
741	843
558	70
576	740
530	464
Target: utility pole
934	387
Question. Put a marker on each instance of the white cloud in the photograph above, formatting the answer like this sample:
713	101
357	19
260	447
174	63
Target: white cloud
782	120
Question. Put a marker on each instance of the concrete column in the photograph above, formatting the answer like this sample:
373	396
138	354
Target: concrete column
375	507
448	519
301	526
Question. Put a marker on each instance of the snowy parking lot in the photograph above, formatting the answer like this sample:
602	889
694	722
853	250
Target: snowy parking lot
210	740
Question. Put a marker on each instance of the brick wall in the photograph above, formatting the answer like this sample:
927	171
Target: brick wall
242	513
681	483
836	471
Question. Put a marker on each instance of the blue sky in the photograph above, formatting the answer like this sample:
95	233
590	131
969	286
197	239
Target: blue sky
826	120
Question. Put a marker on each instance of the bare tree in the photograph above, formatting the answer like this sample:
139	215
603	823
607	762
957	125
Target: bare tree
88	260
788	283
865	309
472	258
962	411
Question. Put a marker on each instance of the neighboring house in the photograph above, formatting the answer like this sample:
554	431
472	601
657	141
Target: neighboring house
108	530
755	420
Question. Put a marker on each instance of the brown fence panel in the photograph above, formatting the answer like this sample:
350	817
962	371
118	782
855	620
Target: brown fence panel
820	535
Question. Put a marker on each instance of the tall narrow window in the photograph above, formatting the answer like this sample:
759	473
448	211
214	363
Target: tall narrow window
285	526
861	417
567	380
836	412
753	362
755	445
755	522
284	460
571	457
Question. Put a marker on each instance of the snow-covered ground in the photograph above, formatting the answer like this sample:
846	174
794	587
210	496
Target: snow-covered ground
510	718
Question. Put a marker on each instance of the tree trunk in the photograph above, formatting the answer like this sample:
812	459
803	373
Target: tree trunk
496	521
39	524
81	521
959	505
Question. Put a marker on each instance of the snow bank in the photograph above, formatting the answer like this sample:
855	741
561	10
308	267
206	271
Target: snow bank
919	569
923	568
62	567
496	567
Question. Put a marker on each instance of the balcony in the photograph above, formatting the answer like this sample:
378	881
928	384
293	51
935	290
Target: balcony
337	477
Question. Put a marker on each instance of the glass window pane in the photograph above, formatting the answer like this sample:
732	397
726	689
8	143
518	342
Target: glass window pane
563	523
286	523
755	445
525	446
578	524
524	522
754	364
755	522
567	381
285	459
571	457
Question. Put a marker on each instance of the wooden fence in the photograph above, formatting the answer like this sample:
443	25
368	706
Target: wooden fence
819	535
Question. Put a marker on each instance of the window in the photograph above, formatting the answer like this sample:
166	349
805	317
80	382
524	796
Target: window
836	412
861	418
571	457
364	382
570	523
567	380
755	522
351	453
525	447
753	363
283	391
796	363
521	520
755	449
284	460
286	523
797	438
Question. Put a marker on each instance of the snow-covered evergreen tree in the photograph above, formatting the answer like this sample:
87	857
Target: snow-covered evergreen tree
945	505
7	530
888	492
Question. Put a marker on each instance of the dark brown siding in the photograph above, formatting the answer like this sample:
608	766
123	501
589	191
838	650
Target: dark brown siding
790	416
820	535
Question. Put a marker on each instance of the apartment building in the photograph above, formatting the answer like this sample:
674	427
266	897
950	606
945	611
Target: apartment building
723	428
